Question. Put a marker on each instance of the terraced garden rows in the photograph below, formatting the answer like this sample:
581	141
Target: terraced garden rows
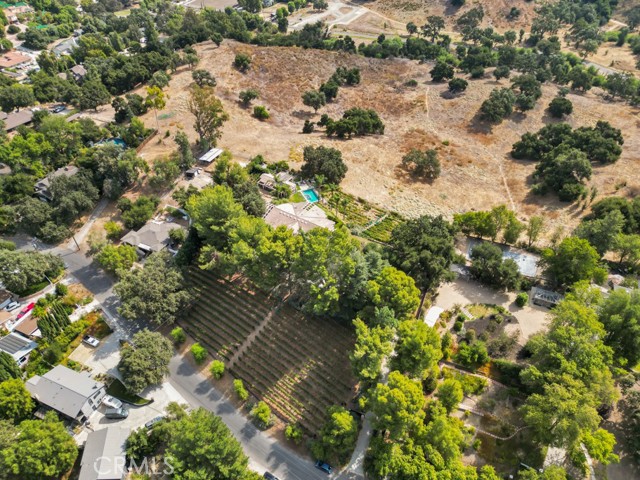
299	366
224	314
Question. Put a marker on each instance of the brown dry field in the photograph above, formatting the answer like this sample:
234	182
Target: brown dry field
417	11
477	172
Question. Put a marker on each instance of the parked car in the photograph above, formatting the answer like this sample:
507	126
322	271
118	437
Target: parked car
116	413
110	402
153	421
26	310
325	467
58	109
12	306
91	341
270	476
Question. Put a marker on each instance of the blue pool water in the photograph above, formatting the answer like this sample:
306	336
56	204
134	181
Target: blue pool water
311	195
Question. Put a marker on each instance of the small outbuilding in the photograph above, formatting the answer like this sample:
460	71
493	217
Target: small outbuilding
545	298
211	155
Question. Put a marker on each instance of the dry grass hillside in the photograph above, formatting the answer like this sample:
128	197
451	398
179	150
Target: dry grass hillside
477	171
417	11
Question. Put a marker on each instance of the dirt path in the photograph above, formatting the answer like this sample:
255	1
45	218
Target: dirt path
250	338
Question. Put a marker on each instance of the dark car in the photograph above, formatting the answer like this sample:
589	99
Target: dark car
116	413
153	421
270	476
325	467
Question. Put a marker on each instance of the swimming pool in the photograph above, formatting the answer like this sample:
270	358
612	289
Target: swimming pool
310	195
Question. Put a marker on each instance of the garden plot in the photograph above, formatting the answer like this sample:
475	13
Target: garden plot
297	364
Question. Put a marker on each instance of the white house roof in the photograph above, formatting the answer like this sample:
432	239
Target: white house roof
432	315
301	216
211	155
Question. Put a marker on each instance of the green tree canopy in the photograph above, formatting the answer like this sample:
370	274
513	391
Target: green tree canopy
323	161
15	400
424	249
371	348
201	446
573	260
418	349
43	449
398	406
156	292
145	360
23	269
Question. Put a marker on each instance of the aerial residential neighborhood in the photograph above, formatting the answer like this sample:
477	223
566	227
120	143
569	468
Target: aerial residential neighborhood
325	239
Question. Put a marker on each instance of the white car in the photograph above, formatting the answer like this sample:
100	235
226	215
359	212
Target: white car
12	306
91	341
110	402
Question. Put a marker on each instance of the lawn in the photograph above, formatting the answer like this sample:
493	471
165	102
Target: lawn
479	310
119	391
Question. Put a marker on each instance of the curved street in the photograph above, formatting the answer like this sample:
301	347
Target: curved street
264	452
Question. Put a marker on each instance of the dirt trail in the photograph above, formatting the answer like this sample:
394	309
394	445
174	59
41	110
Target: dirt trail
477	171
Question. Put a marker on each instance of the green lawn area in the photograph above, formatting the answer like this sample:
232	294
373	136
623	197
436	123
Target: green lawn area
480	310
119	391
123	13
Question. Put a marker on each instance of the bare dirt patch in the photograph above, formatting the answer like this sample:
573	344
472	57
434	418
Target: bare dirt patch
477	169
417	11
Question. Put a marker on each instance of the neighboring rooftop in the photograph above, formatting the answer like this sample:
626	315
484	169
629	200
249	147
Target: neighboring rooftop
298	217
28	326
78	70
104	454
13	59
42	187
16	345
5	295
65	47
211	155
63	389
527	262
14	119
154	236
268	181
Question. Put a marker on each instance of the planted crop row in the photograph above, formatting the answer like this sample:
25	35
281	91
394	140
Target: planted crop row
260	302
216	331
280	399
199	329
294	352
305	379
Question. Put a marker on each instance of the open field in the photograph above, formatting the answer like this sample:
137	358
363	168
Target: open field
417	11
477	171
297	364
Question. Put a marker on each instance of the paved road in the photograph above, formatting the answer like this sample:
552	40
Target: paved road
264	452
